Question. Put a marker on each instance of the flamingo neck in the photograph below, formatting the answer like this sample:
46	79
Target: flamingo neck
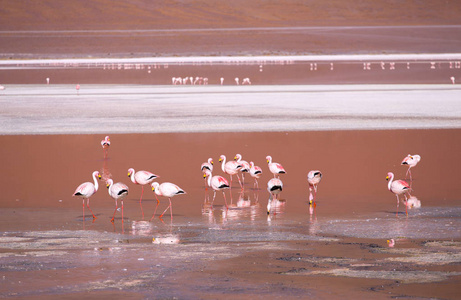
132	177
110	187
209	180
223	164
96	184
390	182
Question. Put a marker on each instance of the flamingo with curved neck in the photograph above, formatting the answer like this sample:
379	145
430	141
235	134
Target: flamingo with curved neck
86	190
231	167
398	187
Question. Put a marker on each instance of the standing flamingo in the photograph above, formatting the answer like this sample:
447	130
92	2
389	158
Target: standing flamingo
398	187
255	172
245	166
105	143
217	183
411	161
208	165
166	189
86	190
77	87
275	168
231	167
274	187
313	178
142	178
118	191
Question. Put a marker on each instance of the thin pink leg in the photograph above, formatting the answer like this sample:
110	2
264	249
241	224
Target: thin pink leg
140	202
116	206
397	213
225	200
169	207
123	230
88	204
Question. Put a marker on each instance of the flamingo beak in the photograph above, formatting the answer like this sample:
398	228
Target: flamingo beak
220	160
129	174
108	185
235	158
99	176
204	175
387	177
212	162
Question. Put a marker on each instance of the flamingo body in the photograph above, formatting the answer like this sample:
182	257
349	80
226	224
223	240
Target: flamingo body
313	178
105	143
167	189
86	190
231	167
118	191
217	183
255	172
274	187
398	187
275	168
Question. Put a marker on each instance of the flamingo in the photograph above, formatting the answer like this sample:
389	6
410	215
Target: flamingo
275	168
217	183
274	187
231	167
118	191
255	172
142	178
166	189
313	178
398	187
105	143
411	161
208	165
77	87
245	166
86	190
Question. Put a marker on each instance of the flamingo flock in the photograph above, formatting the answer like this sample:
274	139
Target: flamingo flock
238	167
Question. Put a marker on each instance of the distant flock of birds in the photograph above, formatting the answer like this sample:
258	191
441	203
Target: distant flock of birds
118	191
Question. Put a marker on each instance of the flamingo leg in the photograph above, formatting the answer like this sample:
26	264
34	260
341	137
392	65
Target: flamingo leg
406	205
155	211
140	203
169	207
397	212
225	200
88	205
113	217
214	195
123	231
240	181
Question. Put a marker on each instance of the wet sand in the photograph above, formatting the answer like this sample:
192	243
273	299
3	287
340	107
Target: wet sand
340	249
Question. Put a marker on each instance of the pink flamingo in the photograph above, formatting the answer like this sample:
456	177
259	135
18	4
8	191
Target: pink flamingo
245	166
255	172
231	167
275	168
411	161
105	143
274	187
118	191
313	178
166	189
142	178
77	87
208	165
398	187
217	183
86	190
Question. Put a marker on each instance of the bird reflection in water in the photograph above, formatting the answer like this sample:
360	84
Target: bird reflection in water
412	202
143	228
167	239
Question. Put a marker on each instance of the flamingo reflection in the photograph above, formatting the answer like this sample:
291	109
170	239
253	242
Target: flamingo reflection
274	187
143	228
412	202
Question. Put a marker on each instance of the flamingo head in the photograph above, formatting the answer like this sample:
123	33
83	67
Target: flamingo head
109	182
390	175
130	171
237	157
210	160
206	174
154	185
268	158
221	158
